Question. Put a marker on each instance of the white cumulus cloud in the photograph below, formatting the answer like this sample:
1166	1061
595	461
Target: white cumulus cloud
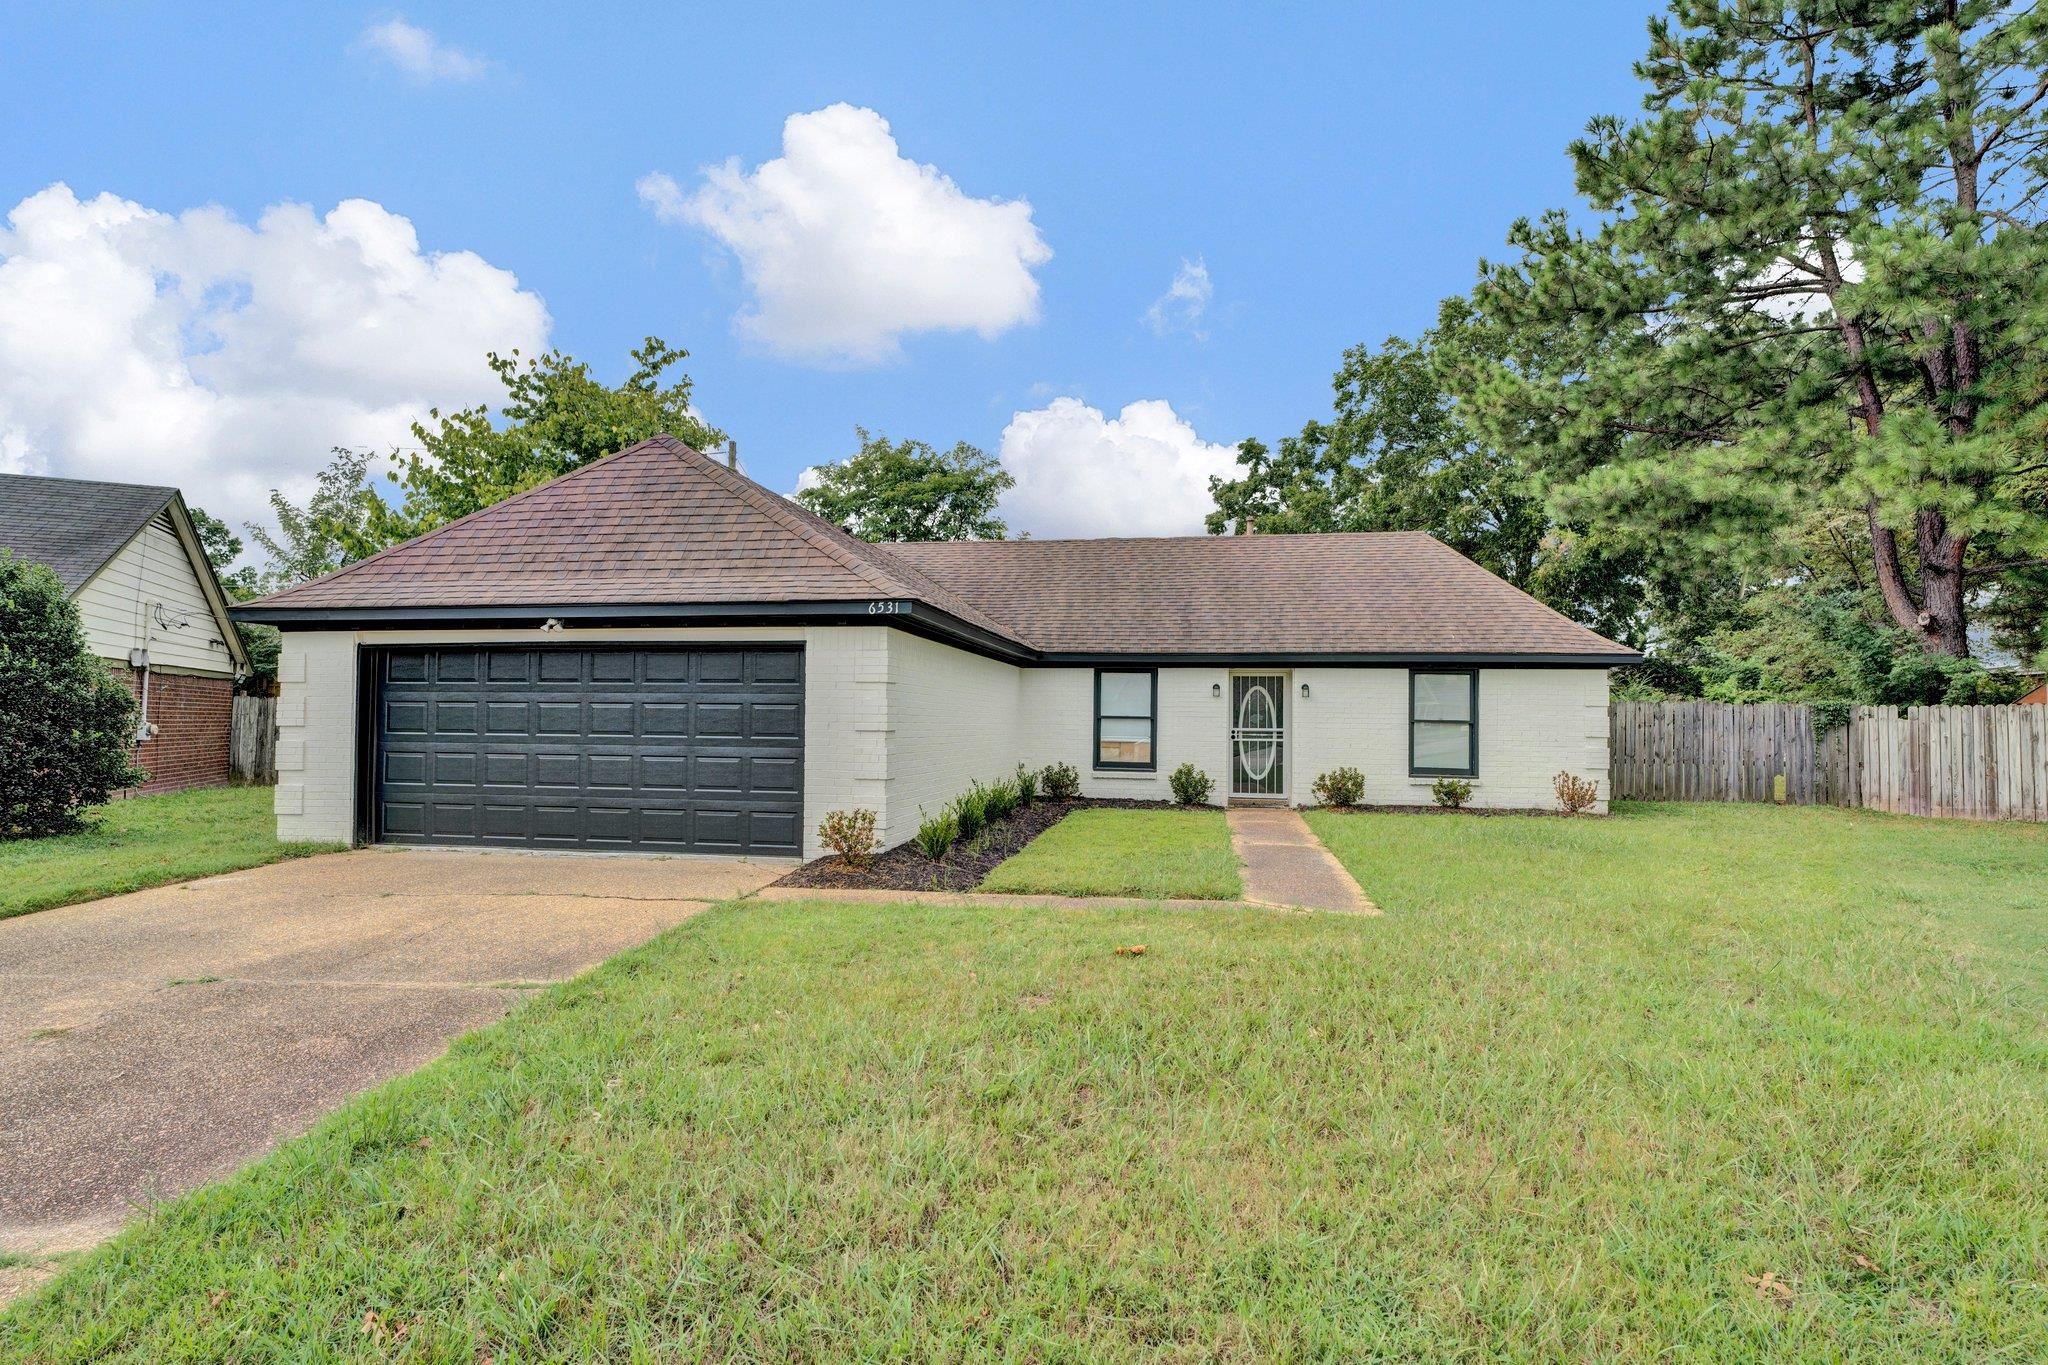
225	358
1181	307
1143	472
848	246
419	54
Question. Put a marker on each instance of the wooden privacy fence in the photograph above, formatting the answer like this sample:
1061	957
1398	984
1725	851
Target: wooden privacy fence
252	739
1976	762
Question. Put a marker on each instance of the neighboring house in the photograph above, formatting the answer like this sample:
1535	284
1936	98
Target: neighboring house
151	606
656	653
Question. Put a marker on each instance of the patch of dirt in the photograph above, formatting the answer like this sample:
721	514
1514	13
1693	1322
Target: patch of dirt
903	868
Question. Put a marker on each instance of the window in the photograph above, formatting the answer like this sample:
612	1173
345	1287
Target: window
1443	723
1126	722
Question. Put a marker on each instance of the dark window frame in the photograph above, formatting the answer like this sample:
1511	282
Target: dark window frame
1095	755
1471	769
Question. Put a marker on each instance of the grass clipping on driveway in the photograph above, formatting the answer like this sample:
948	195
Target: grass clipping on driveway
1158	854
1712	1084
145	841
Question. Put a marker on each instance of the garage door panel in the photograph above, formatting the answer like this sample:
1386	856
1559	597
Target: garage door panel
452	768
662	749
775	775
774	666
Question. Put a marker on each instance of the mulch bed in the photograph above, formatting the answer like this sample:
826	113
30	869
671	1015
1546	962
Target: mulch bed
1488	811
903	868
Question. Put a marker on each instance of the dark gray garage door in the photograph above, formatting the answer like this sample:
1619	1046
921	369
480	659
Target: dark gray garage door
666	750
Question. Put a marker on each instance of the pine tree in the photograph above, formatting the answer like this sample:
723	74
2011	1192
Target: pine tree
1816	281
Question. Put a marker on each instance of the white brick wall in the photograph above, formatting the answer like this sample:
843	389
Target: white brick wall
1194	727
316	736
953	720
1533	722
845	714
894	722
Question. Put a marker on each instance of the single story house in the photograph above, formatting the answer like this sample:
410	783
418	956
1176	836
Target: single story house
656	653
151	607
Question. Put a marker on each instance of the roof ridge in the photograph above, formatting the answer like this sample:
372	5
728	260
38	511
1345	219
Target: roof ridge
890	575
447	526
776	509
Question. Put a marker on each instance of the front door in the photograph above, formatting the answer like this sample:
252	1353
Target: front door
1258	734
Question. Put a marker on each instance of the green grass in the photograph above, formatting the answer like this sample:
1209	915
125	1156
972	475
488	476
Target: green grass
1158	854
1590	1089
143	842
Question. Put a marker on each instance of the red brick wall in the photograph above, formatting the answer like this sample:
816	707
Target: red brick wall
192	717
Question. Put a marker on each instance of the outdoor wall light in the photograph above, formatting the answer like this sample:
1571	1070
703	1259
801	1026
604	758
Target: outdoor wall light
1304	691
1215	689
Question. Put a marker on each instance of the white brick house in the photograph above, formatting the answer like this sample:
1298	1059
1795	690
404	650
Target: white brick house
655	653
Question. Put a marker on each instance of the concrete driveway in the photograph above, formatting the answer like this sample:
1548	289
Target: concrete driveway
151	1042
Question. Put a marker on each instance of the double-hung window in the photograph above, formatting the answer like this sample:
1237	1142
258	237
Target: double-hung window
1443	722
1126	718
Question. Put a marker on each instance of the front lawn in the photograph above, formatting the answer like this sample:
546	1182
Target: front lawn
1708	1083
142	842
1157	854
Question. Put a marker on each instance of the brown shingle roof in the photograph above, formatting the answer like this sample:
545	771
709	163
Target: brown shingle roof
661	524
656	523
1392	592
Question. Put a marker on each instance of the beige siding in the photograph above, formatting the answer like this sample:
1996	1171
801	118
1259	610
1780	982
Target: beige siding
118	606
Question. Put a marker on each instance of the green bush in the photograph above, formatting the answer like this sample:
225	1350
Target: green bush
1059	781
970	812
1191	786
1340	787
1001	799
936	833
850	834
1450	792
1027	785
67	724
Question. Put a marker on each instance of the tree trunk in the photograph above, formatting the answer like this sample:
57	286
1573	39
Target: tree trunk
1944	619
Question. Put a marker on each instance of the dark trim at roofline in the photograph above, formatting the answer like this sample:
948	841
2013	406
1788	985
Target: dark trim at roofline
902	614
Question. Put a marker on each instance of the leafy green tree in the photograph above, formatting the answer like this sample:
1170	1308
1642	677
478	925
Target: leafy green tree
905	490
68	725
223	547
1815	281
1397	455
555	416
335	528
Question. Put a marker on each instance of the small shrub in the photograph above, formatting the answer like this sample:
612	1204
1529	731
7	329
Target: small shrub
1450	792
970	812
1340	787
936	833
1060	782
1027	785
1191	786
1000	799
1575	794
850	834
67	725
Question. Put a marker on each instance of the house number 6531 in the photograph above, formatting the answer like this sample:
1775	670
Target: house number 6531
884	608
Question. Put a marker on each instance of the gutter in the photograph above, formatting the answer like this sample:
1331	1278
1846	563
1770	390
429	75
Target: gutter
906	614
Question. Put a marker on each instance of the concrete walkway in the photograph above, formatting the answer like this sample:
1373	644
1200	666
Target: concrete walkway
1286	865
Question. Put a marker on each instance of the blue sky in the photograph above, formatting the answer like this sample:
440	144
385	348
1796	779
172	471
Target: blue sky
1334	170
